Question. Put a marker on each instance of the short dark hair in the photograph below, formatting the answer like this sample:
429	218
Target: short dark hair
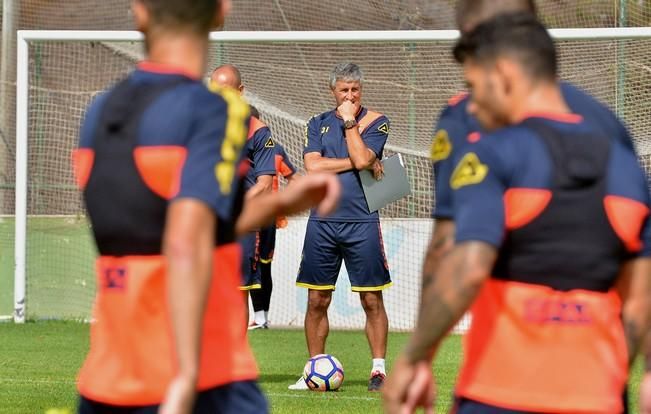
517	35
474	12
196	15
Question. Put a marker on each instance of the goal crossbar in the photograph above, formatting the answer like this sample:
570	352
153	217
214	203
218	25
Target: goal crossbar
351	36
22	89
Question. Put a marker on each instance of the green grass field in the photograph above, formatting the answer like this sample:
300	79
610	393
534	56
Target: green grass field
39	361
60	255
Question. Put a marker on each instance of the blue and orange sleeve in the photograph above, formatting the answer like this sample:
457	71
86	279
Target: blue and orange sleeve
375	135
449	131
83	156
596	112
263	152
479	183
214	153
89	123
627	202
312	141
284	166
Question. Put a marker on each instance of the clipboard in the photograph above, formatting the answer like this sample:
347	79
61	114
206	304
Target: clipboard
392	187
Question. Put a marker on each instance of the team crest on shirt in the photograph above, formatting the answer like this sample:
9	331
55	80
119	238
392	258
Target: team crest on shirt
384	128
270	143
441	146
469	171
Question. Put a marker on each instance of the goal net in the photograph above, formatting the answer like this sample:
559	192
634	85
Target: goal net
408	76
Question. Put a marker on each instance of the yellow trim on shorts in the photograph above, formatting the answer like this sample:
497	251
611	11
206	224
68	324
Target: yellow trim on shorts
251	287
370	288
265	261
315	287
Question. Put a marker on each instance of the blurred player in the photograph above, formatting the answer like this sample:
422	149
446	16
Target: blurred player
260	152
549	216
261	298
160	165
343	141
456	128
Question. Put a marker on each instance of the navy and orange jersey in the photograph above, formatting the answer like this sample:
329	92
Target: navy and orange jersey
325	134
566	206
267	236
156	137
259	152
456	128
283	165
285	169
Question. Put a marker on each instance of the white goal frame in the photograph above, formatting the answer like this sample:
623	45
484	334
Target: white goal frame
22	92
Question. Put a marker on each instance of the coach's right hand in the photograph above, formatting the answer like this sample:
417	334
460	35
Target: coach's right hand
378	170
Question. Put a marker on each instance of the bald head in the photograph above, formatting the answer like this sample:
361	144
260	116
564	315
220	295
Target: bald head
470	13
227	75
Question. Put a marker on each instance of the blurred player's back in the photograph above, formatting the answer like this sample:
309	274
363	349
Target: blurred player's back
163	198
148	116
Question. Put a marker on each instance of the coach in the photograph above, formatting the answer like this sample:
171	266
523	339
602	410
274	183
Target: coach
345	141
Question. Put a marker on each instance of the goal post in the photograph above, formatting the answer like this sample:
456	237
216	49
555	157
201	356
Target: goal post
408	75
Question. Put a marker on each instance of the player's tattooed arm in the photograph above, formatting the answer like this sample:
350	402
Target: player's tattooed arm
634	285
441	244
448	294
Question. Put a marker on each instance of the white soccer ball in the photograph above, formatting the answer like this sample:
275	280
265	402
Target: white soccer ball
323	372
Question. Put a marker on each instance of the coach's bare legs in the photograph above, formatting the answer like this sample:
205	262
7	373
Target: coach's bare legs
377	323
316	320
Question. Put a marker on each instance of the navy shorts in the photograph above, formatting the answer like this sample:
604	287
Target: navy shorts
267	243
250	243
242	397
466	406
358	244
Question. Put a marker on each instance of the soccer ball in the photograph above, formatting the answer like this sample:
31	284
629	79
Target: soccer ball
323	372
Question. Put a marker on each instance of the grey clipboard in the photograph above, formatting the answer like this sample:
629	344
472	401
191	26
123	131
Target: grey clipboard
393	186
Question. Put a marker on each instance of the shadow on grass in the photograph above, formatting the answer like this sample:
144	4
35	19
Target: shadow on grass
277	379
360	382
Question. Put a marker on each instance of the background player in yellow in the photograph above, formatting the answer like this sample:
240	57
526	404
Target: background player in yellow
260	156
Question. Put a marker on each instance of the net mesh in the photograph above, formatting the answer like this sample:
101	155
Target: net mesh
406	81
409	82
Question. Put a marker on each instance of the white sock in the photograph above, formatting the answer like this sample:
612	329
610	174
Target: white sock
266	316
378	365
259	318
